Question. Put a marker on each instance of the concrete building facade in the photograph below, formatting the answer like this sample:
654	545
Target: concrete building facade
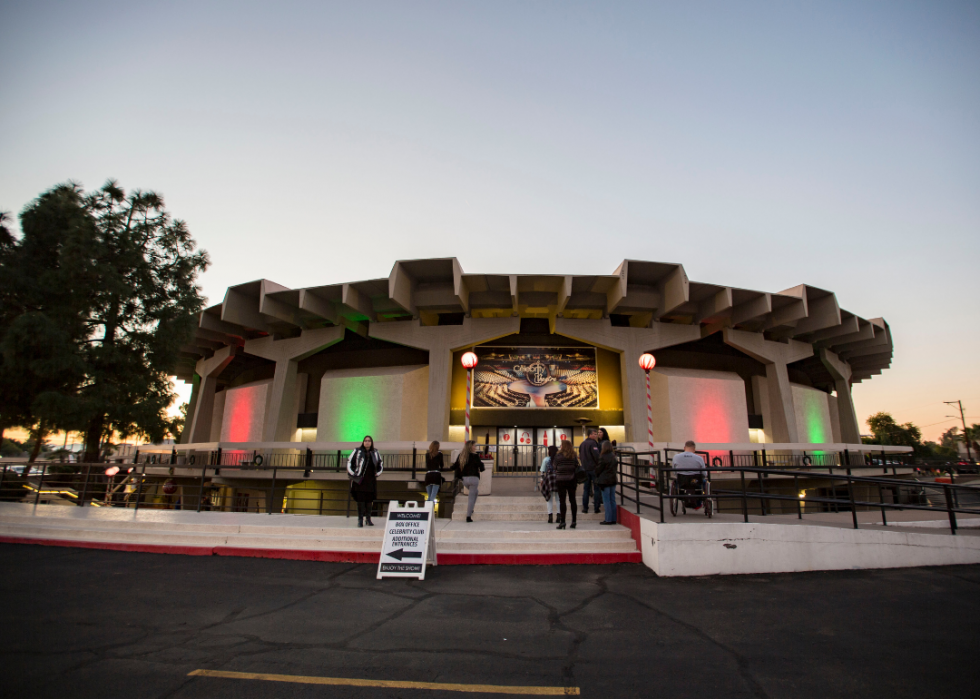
382	357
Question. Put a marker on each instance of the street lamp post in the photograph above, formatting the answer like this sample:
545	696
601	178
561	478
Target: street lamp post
469	361
647	362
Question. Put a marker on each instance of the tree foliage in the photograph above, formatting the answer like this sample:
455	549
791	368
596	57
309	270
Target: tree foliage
45	278
952	438
888	432
96	298
145	309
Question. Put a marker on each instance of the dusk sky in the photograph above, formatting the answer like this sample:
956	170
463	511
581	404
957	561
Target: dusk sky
762	145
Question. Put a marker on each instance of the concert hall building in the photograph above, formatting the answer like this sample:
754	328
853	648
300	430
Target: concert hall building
382	357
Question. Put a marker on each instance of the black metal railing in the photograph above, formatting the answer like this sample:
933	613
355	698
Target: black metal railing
519	459
334	461
644	481
228	485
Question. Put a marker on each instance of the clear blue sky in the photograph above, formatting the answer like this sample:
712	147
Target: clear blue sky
761	145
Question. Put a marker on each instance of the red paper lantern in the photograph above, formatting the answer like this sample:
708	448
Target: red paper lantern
647	361
469	360
169	487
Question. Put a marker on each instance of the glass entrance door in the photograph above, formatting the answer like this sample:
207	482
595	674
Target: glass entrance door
548	436
521	450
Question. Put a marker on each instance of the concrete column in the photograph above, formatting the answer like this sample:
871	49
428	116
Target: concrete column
441	341
185	434
850	432
279	423
440	382
281	398
776	356
631	343
782	410
201	409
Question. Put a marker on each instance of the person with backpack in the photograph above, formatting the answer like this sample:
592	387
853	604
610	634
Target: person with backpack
363	468
468	467
605	478
548	484
588	453
565	467
434	466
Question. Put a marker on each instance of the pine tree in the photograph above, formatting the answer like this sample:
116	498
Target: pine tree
45	278
96	298
144	308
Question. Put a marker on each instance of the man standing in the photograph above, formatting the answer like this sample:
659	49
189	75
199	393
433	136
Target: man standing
588	456
690	471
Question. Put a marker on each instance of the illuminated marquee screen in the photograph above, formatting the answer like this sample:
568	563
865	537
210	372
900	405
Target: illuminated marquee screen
535	377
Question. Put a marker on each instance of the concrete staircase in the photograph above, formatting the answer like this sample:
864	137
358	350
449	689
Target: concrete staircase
492	508
513	530
283	531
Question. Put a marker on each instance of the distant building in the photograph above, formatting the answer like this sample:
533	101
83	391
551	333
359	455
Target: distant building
382	357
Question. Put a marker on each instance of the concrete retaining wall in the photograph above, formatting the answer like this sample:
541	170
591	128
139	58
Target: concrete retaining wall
672	550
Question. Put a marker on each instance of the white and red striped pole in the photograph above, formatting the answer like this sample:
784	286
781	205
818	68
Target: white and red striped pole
647	362
469	361
469	382
649	414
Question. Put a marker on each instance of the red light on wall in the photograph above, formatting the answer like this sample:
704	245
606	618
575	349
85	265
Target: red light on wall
647	361
469	360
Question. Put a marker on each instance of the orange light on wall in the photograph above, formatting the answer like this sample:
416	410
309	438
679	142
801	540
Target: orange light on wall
647	361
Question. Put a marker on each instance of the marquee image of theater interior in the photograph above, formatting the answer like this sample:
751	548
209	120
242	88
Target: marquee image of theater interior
382	357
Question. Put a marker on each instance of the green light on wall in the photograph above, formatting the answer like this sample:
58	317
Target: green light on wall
359	414
814	419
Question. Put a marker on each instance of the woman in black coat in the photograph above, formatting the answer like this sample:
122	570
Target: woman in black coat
605	478
604	437
469	466
363	467
566	463
433	471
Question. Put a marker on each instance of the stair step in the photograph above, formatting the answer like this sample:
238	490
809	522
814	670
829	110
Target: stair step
364	537
628	546
605	533
569	542
149	526
482	516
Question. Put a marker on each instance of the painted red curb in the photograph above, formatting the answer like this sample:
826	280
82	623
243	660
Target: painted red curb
111	546
631	521
536	559
300	554
448	559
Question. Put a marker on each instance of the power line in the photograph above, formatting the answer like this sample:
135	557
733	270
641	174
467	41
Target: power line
938	423
969	451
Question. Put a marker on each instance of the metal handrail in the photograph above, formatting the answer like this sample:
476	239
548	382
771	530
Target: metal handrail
951	491
90	485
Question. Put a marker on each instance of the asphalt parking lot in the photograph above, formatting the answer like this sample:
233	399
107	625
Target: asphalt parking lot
82	623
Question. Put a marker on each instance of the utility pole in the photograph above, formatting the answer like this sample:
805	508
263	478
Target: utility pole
966	438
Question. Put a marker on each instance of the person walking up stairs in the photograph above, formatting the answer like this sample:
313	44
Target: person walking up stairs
565	467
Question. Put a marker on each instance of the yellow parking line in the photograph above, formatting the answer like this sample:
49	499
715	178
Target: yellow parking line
392	684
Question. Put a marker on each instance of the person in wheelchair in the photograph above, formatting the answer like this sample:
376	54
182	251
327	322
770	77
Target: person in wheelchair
690	474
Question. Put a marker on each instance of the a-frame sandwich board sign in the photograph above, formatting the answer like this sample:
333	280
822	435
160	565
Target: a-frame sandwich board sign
409	542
